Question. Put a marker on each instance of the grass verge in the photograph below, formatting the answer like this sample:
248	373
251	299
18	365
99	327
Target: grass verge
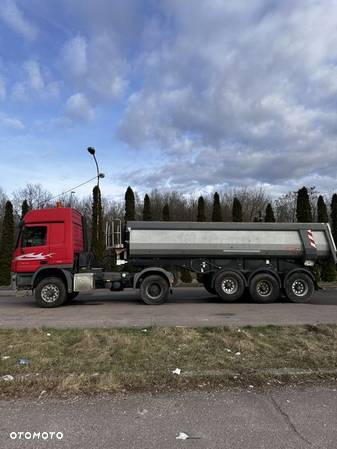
75	361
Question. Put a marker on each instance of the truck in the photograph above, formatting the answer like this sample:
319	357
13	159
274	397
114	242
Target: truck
266	260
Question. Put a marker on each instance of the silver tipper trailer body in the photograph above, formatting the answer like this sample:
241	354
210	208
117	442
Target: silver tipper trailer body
228	240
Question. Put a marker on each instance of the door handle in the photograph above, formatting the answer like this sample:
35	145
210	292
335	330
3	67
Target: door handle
43	262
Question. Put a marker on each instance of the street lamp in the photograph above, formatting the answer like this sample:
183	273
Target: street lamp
92	151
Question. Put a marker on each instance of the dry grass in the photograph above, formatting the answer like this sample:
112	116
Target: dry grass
113	360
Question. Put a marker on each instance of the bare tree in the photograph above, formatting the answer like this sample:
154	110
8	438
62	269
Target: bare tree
35	195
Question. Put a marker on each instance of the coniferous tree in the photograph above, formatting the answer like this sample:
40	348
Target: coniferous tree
269	217
236	210
7	245
334	217
130	209
216	213
166	212
303	206
201	209
147	215
24	208
97	232
322	211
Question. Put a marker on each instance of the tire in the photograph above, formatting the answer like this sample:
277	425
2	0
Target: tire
154	290
299	287
229	286
50	292
71	296
264	288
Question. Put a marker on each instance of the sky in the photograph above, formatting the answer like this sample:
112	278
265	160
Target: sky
187	95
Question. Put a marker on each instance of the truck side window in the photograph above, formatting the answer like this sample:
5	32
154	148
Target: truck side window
34	236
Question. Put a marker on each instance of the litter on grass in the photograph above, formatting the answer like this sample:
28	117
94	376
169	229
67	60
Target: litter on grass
48	334
7	378
176	371
182	436
23	362
5	357
237	353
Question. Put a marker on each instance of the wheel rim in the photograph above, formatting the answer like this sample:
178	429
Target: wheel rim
154	290
264	288
229	286
299	287
50	293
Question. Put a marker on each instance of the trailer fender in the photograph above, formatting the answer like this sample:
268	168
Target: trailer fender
301	270
62	273
216	273
150	271
265	270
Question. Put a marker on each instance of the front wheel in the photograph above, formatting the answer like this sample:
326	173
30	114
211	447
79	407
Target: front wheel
154	290
299	287
50	292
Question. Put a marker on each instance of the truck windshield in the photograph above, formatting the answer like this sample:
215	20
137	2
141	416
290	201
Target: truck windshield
34	236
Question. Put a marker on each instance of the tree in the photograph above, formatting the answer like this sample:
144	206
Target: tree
24	208
166	212
201	209
35	195
322	211
147	208
97	232
130	210
7	245
236	210
269	217
333	216
303	206
216	213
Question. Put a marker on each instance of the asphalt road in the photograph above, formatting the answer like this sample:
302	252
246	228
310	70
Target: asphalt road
278	419
186	307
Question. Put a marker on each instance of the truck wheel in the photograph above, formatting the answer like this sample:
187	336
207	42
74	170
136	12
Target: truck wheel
229	286
299	287
154	290
50	292
264	288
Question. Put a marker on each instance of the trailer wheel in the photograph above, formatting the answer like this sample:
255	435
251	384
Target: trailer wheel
229	286
50	292
264	288
299	287
154	290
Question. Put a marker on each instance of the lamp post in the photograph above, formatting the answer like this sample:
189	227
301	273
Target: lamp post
92	151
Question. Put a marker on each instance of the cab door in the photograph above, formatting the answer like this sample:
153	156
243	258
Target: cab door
33	250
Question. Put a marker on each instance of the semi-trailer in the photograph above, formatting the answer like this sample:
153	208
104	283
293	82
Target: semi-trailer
53	260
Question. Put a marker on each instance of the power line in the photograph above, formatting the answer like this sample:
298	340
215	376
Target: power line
67	191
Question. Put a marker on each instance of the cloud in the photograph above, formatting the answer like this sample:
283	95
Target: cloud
11	122
16	20
36	83
252	88
104	78
79	109
74	57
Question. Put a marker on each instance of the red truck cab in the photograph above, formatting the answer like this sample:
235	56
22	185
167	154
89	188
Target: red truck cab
49	239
